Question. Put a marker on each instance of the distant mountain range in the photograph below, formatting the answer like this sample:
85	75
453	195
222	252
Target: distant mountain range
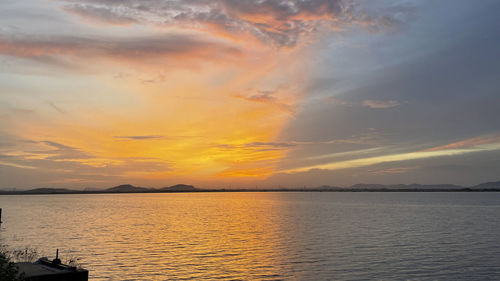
405	186
45	191
128	188
488	185
124	188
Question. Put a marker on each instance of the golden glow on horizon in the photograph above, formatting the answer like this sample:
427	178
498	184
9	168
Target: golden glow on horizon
180	123
218	92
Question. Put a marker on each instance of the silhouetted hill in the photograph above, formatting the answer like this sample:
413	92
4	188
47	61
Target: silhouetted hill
44	190
179	187
432	186
488	185
367	186
328	187
126	188
406	186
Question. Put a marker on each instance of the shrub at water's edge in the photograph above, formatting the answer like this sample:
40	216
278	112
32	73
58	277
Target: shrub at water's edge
8	270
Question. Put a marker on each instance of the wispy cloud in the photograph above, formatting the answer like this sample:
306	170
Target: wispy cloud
267	97
398	170
58	151
259	146
147	137
472	142
376	104
63	163
361	162
99	14
380	104
145	49
56	108
346	153
274	144
15	165
26	153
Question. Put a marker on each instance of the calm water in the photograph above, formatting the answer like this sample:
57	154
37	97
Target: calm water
264	236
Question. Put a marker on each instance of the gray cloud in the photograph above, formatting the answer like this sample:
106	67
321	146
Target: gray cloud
56	108
64	173
370	103
260	146
51	49
99	14
468	169
277	22
29	163
61	152
272	144
367	139
441	100
267	97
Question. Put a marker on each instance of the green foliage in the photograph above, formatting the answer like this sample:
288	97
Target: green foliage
8	270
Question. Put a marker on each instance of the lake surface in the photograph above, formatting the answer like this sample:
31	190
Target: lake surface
263	236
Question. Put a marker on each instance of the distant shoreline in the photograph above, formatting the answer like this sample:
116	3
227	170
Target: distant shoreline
248	190
185	188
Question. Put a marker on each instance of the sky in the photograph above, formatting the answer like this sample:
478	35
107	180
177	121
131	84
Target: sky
248	94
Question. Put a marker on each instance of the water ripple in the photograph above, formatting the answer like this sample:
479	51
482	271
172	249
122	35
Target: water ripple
264	236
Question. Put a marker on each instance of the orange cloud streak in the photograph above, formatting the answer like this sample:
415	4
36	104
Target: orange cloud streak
468	143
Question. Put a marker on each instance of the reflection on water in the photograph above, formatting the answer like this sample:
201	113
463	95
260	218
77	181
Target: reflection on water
264	236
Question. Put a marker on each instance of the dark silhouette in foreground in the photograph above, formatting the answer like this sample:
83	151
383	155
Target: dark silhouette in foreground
46	270
8	270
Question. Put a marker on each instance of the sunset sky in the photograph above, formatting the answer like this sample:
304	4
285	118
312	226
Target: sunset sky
241	93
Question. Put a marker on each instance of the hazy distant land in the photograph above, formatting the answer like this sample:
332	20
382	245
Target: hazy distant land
127	188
